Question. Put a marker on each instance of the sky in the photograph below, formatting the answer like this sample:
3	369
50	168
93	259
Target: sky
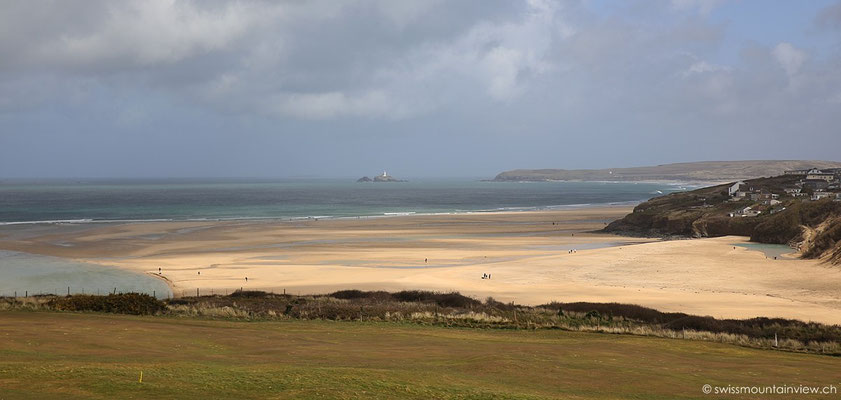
421	88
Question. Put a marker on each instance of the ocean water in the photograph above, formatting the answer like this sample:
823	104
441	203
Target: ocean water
93	201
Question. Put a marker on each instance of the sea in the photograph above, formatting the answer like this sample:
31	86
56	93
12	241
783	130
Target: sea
92	201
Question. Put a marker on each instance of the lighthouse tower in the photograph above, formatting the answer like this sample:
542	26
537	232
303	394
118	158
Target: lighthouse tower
384	174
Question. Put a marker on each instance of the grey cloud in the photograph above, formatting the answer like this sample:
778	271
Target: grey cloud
523	84
830	16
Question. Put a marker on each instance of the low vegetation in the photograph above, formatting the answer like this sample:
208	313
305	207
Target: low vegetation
456	310
124	303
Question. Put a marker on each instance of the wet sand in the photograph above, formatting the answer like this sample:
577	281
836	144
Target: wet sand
526	254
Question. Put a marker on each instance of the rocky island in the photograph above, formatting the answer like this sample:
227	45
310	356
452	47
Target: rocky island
385	177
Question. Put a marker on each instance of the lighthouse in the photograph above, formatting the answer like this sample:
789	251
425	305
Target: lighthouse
384	174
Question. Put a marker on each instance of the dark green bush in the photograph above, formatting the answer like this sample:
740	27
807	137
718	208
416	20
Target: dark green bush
249	293
124	303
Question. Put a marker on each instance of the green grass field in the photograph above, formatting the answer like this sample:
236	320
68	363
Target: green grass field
75	355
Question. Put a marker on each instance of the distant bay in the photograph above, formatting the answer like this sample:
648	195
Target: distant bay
95	201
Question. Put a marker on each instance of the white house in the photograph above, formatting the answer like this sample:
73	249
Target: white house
745	212
734	188
824	176
822	195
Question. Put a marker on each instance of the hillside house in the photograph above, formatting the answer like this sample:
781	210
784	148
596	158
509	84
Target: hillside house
822	195
745	212
820	176
732	190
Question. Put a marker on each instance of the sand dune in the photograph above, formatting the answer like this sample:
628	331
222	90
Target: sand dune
526	253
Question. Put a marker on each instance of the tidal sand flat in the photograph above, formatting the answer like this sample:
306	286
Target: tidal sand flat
531	257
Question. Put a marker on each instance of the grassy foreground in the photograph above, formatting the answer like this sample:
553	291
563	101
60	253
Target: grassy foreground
91	355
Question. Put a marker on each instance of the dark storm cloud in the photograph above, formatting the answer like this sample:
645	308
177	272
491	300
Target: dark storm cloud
421	87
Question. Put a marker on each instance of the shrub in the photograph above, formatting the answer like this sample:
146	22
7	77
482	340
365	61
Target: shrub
249	293
452	299
359	294
124	303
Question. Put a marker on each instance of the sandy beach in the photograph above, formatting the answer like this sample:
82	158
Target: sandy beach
527	254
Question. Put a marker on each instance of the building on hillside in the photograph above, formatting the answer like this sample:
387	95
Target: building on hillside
745	212
792	190
822	195
741	194
820	175
733	189
797	172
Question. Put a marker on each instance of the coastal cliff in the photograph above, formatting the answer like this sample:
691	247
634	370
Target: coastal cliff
814	227
706	171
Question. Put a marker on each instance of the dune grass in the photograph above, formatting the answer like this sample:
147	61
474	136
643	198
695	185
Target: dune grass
92	355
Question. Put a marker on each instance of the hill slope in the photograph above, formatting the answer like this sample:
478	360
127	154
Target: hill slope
813	226
710	171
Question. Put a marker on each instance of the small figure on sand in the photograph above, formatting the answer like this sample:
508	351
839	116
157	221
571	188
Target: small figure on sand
199	272
425	260
246	279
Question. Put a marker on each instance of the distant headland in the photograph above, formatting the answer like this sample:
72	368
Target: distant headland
705	171
385	177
